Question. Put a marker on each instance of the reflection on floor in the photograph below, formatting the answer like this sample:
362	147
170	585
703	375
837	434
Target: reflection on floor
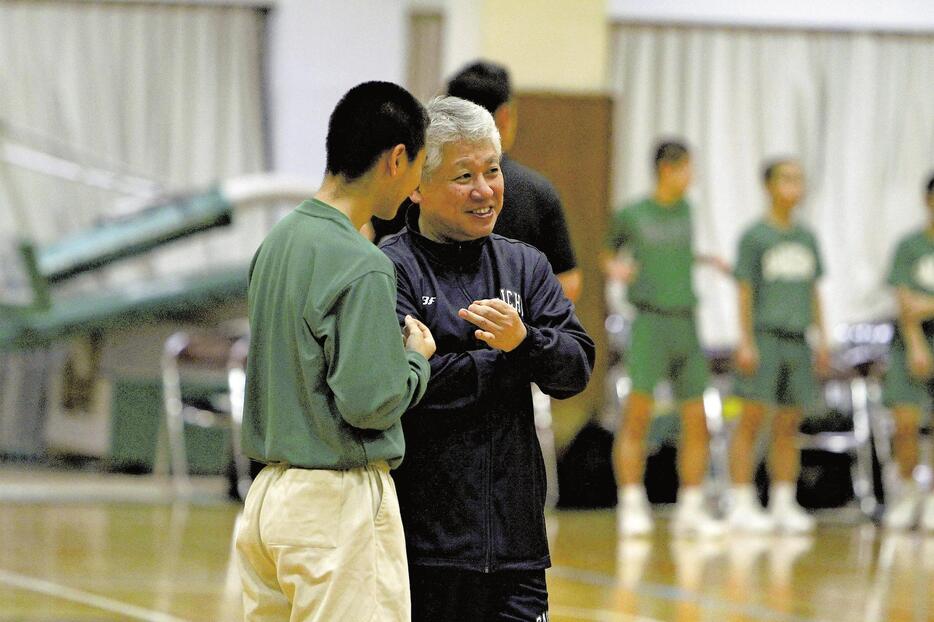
842	572
106	560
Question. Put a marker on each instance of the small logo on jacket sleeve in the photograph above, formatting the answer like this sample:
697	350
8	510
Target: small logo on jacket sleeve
428	300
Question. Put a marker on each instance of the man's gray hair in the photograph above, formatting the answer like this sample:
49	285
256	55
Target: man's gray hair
453	120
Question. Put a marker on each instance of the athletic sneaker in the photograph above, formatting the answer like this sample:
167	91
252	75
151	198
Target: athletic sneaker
633	516
691	518
788	516
747	516
902	513
696	524
792	518
927	518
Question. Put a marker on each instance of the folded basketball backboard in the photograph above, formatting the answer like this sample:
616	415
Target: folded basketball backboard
22	286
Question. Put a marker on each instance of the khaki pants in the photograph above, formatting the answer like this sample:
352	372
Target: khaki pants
323	546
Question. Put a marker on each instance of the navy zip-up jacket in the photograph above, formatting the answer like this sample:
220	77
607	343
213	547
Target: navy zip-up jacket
472	484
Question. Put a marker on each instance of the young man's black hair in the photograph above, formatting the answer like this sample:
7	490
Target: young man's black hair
484	83
771	167
931	184
371	118
670	151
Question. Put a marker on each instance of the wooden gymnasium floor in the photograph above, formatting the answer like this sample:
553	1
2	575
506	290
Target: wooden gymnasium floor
70	550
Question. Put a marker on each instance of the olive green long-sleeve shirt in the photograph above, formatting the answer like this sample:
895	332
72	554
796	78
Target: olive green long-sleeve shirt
328	378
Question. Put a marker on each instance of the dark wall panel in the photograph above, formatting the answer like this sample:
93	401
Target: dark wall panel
567	138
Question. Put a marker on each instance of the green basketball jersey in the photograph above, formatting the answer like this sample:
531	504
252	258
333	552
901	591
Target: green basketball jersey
914	264
660	240
781	266
913	268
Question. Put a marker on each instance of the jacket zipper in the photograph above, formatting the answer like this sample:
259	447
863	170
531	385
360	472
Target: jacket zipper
488	471
489	494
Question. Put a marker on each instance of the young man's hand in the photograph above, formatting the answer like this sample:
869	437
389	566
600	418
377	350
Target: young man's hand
747	358
499	324
717	263
418	338
624	270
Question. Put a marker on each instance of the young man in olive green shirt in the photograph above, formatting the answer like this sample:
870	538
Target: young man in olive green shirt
328	379
777	272
908	382
657	234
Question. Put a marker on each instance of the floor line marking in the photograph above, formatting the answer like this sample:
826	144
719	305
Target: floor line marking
57	590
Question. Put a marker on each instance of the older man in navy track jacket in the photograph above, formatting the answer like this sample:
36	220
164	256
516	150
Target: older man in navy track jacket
472	486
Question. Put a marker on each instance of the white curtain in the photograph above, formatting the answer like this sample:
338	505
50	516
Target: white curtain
172	93
856	108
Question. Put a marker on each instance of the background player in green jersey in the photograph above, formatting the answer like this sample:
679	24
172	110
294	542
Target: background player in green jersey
777	272
908	381
656	233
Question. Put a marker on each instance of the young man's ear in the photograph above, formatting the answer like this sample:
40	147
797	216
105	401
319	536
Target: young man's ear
502	116
505	118
416	196
397	155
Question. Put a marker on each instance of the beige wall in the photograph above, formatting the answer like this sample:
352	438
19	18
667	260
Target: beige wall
555	45
548	45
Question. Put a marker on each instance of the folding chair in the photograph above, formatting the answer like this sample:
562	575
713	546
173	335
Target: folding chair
213	357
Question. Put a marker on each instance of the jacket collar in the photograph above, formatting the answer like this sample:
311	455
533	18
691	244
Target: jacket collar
447	253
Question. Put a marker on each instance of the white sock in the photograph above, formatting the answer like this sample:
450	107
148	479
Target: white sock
631	495
691	498
744	495
908	488
782	495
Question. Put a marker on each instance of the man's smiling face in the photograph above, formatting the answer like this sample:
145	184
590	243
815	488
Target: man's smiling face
464	195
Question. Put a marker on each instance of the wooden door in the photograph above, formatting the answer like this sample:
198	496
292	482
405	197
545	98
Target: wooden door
567	138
